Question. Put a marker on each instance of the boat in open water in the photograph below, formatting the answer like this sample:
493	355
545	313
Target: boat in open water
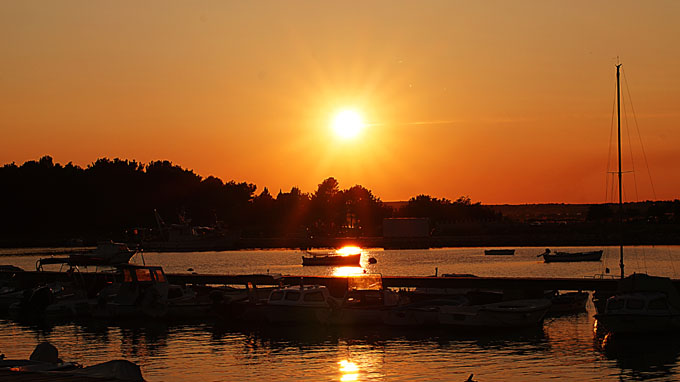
332	259
499	252
565	257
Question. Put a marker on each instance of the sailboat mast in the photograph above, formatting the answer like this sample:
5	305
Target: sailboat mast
618	119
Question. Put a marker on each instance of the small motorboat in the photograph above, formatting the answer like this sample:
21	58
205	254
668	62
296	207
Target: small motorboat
563	257
146	292
366	302
643	304
332	259
107	253
44	364
506	314
499	252
567	302
299	304
51	301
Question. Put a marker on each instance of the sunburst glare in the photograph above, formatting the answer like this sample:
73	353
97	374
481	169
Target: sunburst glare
347	124
348	250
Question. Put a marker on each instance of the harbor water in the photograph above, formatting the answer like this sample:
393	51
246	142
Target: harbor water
564	348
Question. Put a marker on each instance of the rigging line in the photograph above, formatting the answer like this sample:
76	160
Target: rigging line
610	155
630	148
668	252
641	257
605	261
637	127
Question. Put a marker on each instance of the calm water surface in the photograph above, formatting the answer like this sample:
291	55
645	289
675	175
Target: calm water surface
565	348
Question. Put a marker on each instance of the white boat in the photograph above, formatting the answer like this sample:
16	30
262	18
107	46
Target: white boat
507	314
365	302
107	253
297	304
642	303
456	311
421	313
185	237
145	292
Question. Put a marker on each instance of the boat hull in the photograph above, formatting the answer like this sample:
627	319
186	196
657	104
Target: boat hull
509	314
564	257
499	252
282	314
349	260
636	323
570	302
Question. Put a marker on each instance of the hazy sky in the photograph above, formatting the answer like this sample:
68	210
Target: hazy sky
504	101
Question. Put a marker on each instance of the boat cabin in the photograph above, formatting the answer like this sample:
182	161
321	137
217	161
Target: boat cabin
300	295
143	274
137	279
367	290
636	303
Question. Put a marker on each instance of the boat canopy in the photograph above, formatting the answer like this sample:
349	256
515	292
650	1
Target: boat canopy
640	282
132	274
365	282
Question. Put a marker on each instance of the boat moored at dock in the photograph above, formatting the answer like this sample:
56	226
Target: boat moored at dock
506	314
298	304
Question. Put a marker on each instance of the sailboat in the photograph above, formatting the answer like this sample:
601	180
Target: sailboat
642	303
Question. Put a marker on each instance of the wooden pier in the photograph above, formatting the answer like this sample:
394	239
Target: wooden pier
29	278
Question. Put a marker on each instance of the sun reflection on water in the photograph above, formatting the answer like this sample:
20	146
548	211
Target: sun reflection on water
349	370
347	271
348	250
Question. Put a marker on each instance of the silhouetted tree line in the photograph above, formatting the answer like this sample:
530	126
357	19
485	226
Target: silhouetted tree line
443	210
644	212
108	197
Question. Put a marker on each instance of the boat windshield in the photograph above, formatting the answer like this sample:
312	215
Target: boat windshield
143	274
365	282
159	276
127	277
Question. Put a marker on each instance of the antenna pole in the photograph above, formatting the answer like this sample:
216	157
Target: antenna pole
618	119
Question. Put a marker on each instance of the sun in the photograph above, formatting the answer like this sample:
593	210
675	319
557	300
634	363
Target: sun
347	124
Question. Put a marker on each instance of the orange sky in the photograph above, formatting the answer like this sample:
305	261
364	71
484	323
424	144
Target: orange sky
504	101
